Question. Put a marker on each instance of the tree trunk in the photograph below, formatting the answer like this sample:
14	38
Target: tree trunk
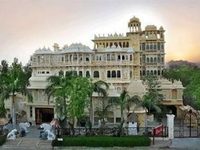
13	111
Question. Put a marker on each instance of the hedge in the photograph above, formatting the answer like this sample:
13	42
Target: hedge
104	141
2	139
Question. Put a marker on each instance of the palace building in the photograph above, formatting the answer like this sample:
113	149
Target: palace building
118	59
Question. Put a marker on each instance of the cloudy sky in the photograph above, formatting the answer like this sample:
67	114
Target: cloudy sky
26	25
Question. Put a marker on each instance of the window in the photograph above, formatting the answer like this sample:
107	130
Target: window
158	46
87	74
118	74
155	72
143	46
154	46
119	57
80	73
130	57
108	74
151	60
174	94
123	57
113	57
47	72
96	74
162	46
158	72
108	57
113	74
151	46
147	47
118	120
147	60
154	59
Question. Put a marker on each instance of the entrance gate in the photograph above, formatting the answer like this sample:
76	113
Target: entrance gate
187	126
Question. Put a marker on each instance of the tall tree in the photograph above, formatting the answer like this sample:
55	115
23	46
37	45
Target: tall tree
78	97
125	102
58	89
3	74
99	87
151	100
15	82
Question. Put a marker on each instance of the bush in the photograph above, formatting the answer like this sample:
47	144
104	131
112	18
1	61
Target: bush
2	139
104	141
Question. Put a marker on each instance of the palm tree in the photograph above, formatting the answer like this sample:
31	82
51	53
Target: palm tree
151	100
101	88
58	88
125	102
14	82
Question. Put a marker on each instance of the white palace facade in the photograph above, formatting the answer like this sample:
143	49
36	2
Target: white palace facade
118	59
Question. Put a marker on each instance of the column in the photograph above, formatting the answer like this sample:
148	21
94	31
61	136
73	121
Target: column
170	125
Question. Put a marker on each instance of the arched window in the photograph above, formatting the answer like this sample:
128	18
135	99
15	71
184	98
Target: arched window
113	74
154	59
124	44
123	57
143	72
127	44
80	73
108	74
96	74
147	59
118	74
87	74
158	72
118	57
130	57
147	72
155	72
151	60
151	72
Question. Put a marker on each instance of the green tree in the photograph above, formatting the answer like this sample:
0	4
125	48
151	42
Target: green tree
125	102
15	82
151	100
189	76
100	87
79	89
3	74
58	89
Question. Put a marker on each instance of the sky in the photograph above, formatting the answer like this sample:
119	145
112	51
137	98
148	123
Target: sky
26	25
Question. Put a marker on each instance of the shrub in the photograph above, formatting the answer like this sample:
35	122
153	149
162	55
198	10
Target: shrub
104	141
2	139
